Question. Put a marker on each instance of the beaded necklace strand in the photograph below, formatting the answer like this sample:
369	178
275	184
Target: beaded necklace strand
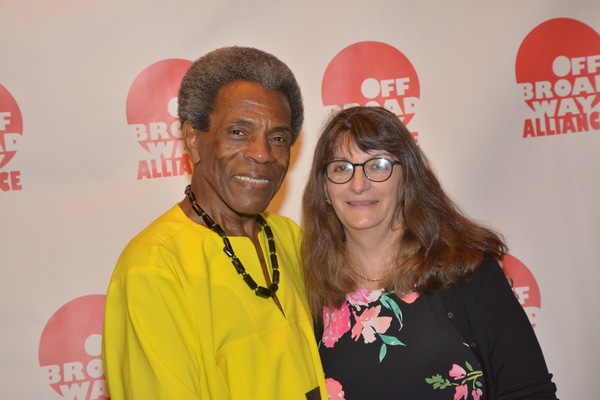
237	263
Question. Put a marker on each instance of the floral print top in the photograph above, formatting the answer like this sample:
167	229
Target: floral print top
378	346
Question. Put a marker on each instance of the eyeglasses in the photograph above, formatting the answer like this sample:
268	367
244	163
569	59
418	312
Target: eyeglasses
375	169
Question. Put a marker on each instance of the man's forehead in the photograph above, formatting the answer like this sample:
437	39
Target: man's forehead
240	96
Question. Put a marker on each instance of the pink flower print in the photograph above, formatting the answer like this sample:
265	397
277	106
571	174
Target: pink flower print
461	388
411	297
336	323
462	392
368	323
457	372
334	389
362	297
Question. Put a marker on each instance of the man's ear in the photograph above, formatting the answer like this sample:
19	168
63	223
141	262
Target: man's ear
190	138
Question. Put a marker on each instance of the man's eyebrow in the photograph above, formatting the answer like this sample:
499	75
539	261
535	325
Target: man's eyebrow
284	128
242	121
250	123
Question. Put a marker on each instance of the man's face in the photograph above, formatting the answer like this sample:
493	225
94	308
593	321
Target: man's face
242	160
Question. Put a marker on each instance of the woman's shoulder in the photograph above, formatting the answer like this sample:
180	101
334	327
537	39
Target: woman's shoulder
489	269
486	281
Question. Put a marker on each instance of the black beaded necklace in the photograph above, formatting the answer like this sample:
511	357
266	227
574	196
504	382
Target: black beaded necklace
237	263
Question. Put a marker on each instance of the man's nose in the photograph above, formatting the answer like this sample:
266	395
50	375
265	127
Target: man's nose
259	150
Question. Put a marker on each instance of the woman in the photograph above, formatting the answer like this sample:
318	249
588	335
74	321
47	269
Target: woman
406	289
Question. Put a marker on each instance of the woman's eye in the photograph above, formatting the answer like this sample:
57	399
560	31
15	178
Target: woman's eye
379	165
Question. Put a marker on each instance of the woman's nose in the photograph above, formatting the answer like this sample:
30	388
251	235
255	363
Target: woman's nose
359	181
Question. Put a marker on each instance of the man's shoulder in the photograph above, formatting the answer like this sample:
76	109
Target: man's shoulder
162	230
280	219
282	224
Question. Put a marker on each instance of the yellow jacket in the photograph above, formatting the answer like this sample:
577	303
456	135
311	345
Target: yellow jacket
180	323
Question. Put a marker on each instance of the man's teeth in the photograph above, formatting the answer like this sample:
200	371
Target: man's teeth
252	180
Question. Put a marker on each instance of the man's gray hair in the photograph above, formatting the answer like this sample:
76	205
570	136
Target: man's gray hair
212	71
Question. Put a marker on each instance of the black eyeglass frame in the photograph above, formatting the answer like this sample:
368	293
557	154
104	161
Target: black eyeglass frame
354	165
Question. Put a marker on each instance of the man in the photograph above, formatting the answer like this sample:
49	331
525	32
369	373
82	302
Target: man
208	301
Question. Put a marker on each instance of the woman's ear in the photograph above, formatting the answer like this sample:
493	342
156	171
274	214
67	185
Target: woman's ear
327	195
190	138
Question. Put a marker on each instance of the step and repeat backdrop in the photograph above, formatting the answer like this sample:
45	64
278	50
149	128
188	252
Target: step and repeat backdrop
503	97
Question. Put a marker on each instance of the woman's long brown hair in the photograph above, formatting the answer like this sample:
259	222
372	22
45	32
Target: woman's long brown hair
439	245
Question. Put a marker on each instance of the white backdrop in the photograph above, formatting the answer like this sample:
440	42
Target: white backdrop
69	66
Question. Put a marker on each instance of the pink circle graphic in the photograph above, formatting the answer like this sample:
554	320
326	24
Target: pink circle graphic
525	285
11	126
152	116
150	102
153	89
557	66
372	74
70	349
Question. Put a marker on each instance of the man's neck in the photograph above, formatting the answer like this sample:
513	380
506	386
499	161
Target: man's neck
233	224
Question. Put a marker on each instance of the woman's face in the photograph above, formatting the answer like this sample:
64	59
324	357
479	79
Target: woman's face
361	204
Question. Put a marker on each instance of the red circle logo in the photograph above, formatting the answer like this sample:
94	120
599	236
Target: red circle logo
152	115
525	286
70	349
558	73
371	74
11	126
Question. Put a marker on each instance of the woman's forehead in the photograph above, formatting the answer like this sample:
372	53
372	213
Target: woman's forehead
349	149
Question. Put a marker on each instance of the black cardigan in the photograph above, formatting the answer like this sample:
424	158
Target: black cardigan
488	315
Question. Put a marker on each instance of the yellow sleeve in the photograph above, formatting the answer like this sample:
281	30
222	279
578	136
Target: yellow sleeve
150	350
